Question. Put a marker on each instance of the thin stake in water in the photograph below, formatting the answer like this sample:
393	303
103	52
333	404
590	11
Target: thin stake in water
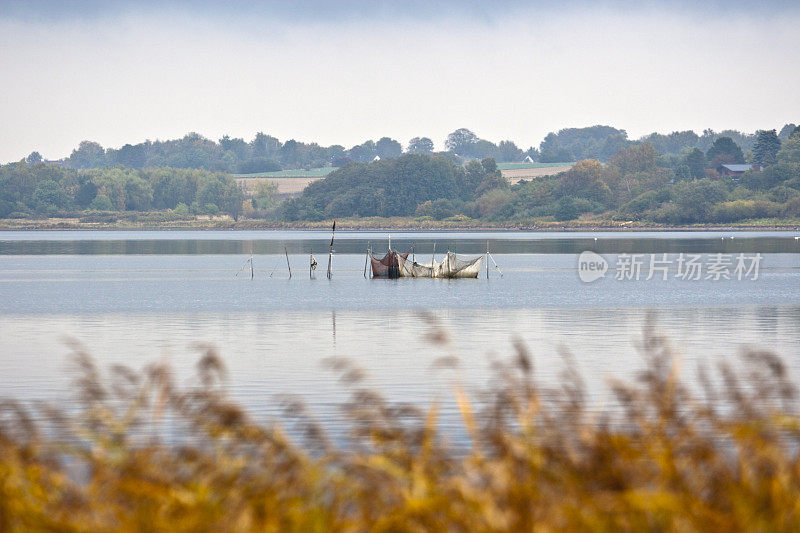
366	260
330	252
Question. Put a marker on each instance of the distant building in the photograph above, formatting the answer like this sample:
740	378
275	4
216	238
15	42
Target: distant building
734	171
528	159
376	158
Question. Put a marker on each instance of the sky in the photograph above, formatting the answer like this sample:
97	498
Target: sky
344	72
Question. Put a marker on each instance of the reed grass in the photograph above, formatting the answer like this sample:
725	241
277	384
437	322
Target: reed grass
723	458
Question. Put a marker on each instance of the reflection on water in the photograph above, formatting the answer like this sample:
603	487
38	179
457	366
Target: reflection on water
353	242
275	353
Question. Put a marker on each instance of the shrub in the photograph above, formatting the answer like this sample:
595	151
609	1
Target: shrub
744	209
258	164
101	203
792	208
782	194
566	209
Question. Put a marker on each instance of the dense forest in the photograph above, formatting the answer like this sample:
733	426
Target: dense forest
636	183
670	179
49	190
413	184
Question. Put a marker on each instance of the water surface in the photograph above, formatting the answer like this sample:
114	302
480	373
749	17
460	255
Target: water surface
135	297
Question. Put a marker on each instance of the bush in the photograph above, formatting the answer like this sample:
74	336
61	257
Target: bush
744	209
669	213
792	208
781	194
257	165
643	203
438	209
565	209
101	203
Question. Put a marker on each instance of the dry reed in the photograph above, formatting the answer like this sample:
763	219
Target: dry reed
723	459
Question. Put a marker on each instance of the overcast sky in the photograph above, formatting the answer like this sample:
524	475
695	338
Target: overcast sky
341	73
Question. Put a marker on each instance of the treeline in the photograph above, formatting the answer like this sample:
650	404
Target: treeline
637	183
603	142
48	190
413	184
265	153
680	182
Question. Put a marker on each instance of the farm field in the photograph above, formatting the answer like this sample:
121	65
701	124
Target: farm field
292	182
515	172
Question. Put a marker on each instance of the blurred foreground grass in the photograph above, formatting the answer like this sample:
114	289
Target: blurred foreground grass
721	459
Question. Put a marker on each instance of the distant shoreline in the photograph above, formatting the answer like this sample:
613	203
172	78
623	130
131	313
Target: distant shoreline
398	224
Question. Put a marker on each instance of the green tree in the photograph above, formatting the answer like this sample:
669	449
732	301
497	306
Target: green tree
766	147
594	142
508	151
420	145
33	158
461	142
695	199
101	203
790	151
724	151
138	193
696	161
240	149
88	155
265	196
264	145
388	148
585	180
363	152
637	158
48	197
565	209
786	131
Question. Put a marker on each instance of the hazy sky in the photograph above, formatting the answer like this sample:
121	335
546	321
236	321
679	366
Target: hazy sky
344	72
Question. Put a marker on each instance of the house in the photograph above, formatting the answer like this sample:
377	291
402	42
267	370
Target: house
734	171
528	159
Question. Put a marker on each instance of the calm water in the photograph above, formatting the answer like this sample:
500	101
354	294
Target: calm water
135	297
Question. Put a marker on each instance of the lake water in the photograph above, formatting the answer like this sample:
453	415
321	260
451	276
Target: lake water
138	297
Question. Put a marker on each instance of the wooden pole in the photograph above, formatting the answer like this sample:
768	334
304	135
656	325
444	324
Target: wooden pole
366	260
330	251
251	267
495	265
433	261
310	263
287	261
487	259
